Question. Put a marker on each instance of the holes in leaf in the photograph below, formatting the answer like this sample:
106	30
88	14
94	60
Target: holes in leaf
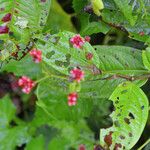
59	63
130	134
127	120
66	63
108	138
117	146
50	54
122	137
2	9
55	40
116	123
131	116
124	91
142	107
116	102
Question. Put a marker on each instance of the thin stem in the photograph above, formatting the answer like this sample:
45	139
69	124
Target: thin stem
37	81
51	76
129	78
140	148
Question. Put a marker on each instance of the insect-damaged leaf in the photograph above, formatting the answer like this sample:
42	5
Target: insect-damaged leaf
129	117
61	55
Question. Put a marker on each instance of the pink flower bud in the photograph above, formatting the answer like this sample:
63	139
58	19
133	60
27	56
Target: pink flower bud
72	99
36	55
87	38
89	56
77	41
26	84
77	74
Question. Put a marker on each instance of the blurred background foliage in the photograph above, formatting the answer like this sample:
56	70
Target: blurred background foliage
23	125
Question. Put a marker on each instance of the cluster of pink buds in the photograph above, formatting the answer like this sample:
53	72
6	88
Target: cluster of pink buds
81	147
36	55
87	38
72	99
77	74
77	41
26	84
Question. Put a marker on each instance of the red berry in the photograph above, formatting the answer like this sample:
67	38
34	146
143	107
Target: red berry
4	29
36	55
87	38
89	56
26	84
81	147
7	17
141	33
72	99
77	41
77	74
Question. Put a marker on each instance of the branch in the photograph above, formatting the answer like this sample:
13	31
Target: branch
129	78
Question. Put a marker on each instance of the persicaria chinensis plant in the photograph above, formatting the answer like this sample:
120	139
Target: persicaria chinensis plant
74	74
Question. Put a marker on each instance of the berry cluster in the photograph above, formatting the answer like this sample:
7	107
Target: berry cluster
26	84
77	41
76	75
72	99
36	55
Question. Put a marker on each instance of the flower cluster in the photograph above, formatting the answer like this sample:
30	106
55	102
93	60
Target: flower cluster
36	55
77	41
77	74
26	84
89	56
72	99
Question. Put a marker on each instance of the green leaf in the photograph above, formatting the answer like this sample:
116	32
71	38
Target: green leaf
146	58
36	144
52	97
135	12
25	66
32	12
10	138
17	135
94	27
60	54
55	21
126	9
72	135
129	117
7	112
28	18
79	5
120	60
